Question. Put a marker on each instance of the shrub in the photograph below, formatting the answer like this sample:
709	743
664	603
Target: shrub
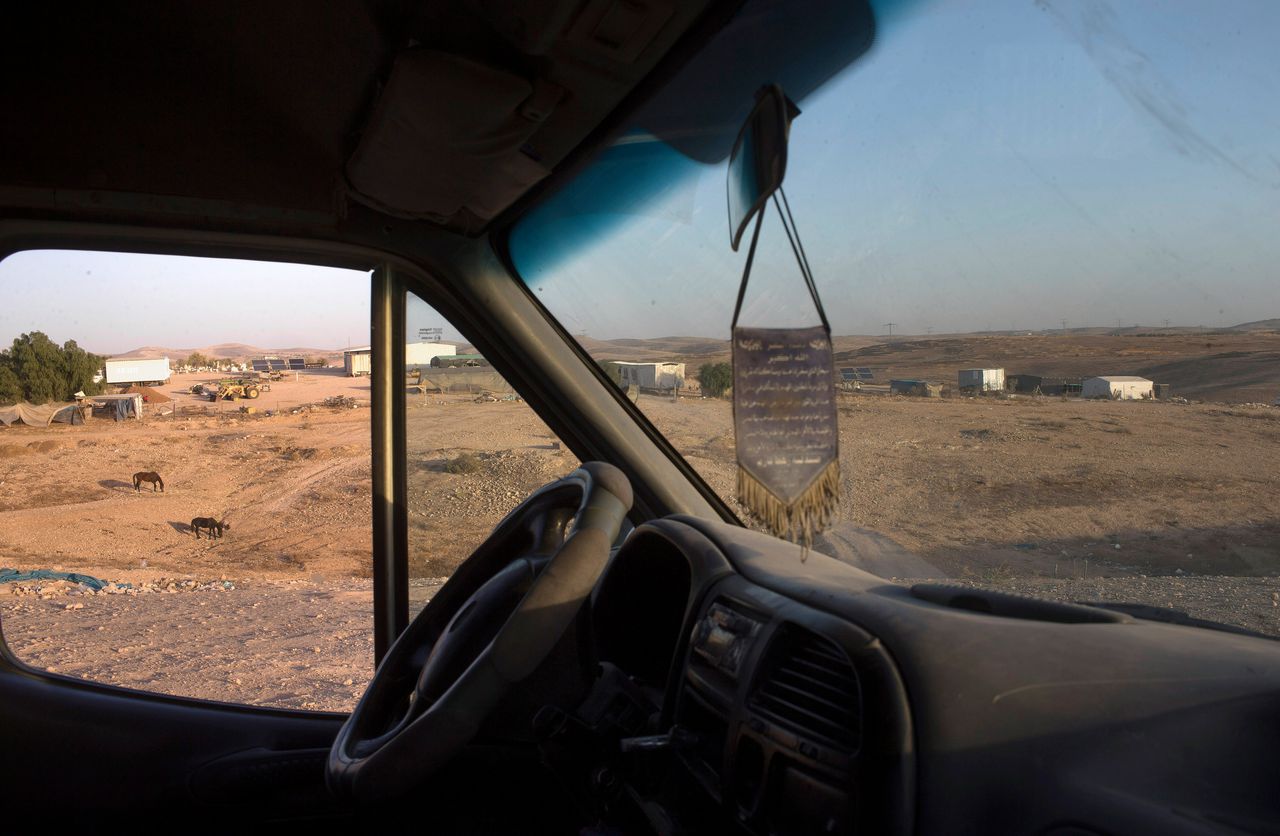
715	378
464	463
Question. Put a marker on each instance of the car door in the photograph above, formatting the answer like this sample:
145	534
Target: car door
168	714
168	751
223	688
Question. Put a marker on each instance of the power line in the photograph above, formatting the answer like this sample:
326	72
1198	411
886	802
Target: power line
890	325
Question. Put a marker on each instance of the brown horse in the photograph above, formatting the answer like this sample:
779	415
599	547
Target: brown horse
215	527
148	476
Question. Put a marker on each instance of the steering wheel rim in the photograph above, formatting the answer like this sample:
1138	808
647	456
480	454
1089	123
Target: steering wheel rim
392	740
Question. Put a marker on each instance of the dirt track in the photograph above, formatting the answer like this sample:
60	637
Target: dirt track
1165	503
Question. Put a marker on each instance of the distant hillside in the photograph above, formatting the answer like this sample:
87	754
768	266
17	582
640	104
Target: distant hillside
1238	364
1260	325
1250	376
227	351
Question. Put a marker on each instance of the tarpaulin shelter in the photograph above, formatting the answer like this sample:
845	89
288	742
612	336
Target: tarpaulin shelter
41	415
118	407
72	414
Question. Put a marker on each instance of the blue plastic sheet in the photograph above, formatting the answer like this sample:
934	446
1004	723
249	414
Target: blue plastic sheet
8	575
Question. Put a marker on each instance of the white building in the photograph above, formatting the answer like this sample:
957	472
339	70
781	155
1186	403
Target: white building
1117	387
982	380
358	361
417	355
651	375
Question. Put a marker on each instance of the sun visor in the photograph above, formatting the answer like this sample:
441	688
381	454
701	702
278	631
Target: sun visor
445	140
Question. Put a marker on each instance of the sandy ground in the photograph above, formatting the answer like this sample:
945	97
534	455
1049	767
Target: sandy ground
278	610
1004	490
1169	504
295	389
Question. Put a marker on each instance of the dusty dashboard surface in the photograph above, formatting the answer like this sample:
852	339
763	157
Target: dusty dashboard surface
749	689
772	714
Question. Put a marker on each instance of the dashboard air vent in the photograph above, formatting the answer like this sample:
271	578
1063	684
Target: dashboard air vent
809	685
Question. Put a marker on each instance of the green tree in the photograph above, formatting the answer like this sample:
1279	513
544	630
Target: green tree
10	386
715	378
81	366
36	369
197	360
37	361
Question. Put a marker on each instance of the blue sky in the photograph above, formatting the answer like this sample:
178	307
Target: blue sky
987	165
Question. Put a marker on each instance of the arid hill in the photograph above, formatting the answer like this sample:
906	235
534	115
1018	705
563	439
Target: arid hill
1240	366
227	351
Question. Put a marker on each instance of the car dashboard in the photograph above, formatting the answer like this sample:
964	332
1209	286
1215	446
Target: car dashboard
747	685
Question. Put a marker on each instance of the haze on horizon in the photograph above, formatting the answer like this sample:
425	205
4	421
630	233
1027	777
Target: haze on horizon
113	303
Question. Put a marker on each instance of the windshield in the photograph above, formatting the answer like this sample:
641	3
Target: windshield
1080	199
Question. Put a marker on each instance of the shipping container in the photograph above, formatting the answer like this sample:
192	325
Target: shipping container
981	380
125	371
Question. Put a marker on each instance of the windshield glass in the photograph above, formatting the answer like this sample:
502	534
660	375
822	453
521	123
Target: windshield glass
1062	192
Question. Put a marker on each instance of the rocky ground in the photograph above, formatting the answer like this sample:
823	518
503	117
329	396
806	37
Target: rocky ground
1165	504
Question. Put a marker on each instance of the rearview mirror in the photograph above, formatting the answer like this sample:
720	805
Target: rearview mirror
758	161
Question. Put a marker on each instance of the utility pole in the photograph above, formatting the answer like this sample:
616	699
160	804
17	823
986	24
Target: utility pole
890	325
1064	327
1166	323
929	330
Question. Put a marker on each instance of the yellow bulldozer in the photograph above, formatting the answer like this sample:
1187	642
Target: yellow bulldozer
234	388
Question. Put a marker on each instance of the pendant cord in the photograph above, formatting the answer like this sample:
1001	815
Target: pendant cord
797	249
746	270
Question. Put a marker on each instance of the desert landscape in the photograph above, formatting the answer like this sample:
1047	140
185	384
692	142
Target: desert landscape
1173	504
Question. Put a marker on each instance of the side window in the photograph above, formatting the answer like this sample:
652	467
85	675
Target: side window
475	450
185	475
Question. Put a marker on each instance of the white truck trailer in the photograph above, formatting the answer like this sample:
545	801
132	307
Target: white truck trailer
126	371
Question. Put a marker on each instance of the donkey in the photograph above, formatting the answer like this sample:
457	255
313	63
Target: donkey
148	476
215	527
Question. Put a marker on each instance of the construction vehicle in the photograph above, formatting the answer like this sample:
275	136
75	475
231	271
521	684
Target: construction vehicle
236	387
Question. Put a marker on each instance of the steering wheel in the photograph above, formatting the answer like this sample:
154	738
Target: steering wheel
487	628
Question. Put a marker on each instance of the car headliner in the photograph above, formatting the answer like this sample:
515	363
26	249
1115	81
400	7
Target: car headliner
246	116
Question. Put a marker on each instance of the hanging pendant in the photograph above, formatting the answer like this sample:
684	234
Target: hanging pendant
784	421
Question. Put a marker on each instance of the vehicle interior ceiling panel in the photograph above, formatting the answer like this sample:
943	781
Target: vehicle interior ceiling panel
440	111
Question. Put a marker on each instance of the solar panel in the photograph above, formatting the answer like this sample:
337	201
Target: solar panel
297	364
848	375
261	365
864	373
